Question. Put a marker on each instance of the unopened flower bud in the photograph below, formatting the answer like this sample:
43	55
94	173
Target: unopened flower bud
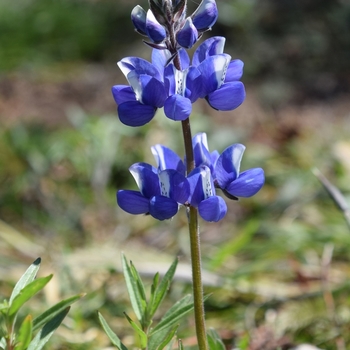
155	31
187	36
138	17
206	15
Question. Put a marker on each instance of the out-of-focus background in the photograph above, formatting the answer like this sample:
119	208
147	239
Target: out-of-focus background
277	265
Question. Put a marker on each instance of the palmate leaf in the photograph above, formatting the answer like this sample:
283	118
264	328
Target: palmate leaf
111	335
26	293
137	302
24	334
26	278
46	332
214	340
54	310
159	291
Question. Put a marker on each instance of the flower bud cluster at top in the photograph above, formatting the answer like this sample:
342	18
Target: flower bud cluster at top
173	81
167	26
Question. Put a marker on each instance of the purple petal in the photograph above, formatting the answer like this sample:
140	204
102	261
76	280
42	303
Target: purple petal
177	107
174	185
160	59
228	97
169	79
228	164
167	159
123	93
187	36
234	71
134	113
194	86
140	66
153	91
138	17
248	183
201	185
210	47
201	152
133	202
146	178
163	208
155	31
213	72
184	59
206	15
212	209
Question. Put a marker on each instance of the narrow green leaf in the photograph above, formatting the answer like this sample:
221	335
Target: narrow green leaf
53	311
132	289
181	347
173	315
162	289
24	333
26	278
160	340
46	332
26	293
111	335
139	331
214	340
137	278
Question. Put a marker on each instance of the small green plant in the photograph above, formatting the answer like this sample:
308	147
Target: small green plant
30	334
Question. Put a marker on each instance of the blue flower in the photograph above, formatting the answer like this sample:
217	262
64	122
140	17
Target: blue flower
138	103
220	76
228	177
159	195
225	168
203	196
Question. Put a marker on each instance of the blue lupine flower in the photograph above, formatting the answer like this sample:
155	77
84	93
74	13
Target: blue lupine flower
210	206
137	104
220	76
225	168
228	177
160	192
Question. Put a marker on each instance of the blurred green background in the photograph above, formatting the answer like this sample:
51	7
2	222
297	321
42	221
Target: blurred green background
277	264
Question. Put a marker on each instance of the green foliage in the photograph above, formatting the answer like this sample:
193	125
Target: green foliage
21	337
159	336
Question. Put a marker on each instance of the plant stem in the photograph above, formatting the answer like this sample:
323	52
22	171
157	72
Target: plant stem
197	285
193	227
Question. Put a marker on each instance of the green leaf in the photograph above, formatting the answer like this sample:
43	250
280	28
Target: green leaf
26	278
54	310
26	293
160	340
173	315
46	332
181	347
24	334
214	340
161	290
131	285
139	282
139	331
111	335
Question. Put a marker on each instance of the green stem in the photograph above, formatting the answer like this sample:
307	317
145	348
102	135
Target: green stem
193	226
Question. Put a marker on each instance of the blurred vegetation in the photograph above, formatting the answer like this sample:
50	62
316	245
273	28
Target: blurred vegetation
277	265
